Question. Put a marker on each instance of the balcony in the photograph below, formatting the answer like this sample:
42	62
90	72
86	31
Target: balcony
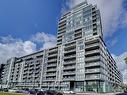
69	51
89	71
37	72
31	65
92	64
73	45
50	79
53	50
69	73
92	52
50	74
69	67
31	69
52	65
59	38
38	63
92	77
70	56
52	60
69	78
37	68
95	58
62	20
60	33
52	55
51	70
37	76
70	62
25	70
26	66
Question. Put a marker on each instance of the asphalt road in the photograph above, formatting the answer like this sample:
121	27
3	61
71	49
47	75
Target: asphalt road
97	94
122	94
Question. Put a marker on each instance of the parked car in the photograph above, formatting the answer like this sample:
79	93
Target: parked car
22	91
69	92
49	92
41	93
0	89
125	91
12	90
4	89
32	91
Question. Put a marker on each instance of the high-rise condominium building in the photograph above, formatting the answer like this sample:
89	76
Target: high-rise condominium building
80	61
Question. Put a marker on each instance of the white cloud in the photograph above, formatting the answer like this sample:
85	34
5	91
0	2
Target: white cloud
7	39
111	12
11	47
112	42
122	65
48	40
15	49
48	45
29	47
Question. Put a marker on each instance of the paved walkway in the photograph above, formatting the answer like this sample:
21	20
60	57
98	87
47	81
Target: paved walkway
96	94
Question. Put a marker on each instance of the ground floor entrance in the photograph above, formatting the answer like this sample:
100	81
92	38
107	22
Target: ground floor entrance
87	86
77	86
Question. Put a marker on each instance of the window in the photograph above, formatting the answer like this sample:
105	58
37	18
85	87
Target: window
80	65
89	33
95	33
69	36
81	47
80	54
80	77
81	59
80	42
86	19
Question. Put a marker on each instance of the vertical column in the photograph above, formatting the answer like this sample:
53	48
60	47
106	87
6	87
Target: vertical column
11	61
21	71
59	67
80	63
41	79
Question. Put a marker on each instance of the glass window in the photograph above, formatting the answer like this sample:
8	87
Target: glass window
80	42
80	65
88	33
69	36
81	47
80	54
81	59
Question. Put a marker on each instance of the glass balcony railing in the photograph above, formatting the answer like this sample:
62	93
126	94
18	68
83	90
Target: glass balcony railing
92	64
71	50
69	78
92	58
92	70
69	73
71	56
69	67
69	62
52	69
92	51
92	77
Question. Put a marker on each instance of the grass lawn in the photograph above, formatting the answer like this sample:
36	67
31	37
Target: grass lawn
5	93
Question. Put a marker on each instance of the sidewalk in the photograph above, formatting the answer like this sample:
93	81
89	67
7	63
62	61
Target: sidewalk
97	93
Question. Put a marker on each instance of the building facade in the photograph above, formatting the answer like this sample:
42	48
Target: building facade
1	72
80	61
